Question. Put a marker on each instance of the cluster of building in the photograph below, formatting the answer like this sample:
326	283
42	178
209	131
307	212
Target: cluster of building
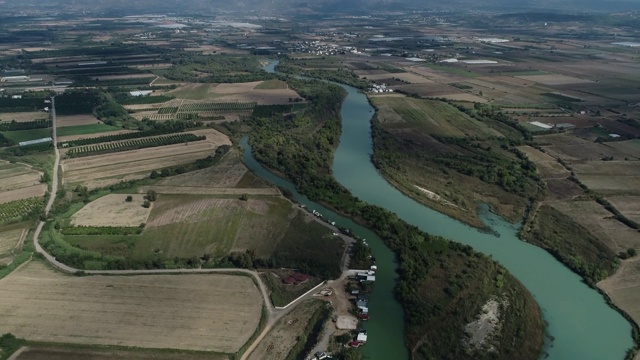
377	89
319	48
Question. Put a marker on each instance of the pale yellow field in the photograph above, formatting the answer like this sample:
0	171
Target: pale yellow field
235	88
74	120
629	206
112	210
547	166
62	139
194	312
9	239
102	170
624	287
19	181
600	222
554	79
24	116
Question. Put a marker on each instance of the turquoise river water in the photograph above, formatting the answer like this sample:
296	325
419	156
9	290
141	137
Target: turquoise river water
580	322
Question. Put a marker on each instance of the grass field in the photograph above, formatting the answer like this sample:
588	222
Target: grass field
194	312
113	210
85	129
194	225
26	135
429	116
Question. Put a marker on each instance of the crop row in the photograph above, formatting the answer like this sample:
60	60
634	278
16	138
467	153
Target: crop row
196	107
117	137
26	125
140	100
19	208
136	144
168	110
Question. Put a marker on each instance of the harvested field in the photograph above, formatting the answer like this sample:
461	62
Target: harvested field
11	236
631	147
624	287
194	312
547	166
464	97
261	97
112	210
272	84
432	90
209	190
89	353
226	174
24	116
127	76
235	88
19	181
572	148
610	176
277	344
600	222
629	206
62	139
554	79
102	170
75	120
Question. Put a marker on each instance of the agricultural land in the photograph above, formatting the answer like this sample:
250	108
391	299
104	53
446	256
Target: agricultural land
133	311
535	114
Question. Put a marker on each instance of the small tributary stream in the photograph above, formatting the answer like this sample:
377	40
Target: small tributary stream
580	322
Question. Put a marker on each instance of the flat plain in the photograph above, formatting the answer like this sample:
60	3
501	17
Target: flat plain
193	312
113	210
19	181
102	170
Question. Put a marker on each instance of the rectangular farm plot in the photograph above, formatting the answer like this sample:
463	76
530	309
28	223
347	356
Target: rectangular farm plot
629	206
76	120
547	166
18	182
207	312
600	222
429	116
85	129
611	176
554	79
101	170
113	210
10	237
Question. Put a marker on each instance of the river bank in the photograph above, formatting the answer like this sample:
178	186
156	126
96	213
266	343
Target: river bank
441	285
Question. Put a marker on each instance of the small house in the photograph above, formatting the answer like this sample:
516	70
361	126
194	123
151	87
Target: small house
361	303
362	337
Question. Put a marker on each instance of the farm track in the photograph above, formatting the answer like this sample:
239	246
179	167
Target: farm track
273	314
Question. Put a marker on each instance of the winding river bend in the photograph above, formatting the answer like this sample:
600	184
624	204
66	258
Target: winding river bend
581	323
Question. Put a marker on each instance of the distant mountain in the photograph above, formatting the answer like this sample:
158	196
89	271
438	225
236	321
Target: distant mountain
321	6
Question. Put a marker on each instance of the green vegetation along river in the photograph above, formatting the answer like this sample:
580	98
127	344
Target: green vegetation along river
581	323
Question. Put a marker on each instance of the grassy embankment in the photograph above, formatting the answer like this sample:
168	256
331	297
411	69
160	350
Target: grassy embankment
450	160
302	147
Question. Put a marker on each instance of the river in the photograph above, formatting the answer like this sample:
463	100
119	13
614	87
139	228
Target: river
580	321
